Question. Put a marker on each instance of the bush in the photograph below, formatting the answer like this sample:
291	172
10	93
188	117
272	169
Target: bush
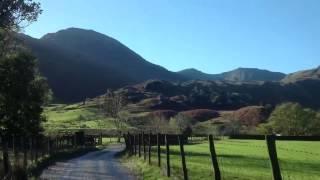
252	115
292	119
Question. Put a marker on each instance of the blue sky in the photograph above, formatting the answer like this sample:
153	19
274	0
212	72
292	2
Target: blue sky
211	35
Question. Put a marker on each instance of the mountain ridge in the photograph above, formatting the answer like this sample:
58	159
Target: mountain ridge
83	63
80	63
239	74
302	75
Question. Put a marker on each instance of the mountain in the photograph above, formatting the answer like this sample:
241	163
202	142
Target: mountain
238	75
198	75
303	75
252	74
221	95
82	63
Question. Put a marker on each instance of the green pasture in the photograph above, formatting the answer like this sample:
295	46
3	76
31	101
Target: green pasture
238	159
61	116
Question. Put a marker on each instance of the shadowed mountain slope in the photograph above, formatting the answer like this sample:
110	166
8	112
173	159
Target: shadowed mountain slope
83	63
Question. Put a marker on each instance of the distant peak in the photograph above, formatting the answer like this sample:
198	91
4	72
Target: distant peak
243	68
71	30
191	69
77	29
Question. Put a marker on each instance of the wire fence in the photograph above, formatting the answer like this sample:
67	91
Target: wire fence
234	157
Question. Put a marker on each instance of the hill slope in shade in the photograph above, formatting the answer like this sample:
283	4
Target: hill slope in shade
238	75
221	95
303	75
83	63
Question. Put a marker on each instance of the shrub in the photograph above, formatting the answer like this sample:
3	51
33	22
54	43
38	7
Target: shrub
181	124
292	119
251	115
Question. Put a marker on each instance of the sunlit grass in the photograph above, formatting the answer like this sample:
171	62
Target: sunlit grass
74	116
243	159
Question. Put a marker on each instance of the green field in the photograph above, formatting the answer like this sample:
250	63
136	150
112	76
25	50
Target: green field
238	159
61	116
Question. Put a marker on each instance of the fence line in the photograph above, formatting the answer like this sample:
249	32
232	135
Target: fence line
29	150
167	140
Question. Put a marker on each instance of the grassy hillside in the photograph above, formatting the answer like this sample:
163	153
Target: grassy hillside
88	116
238	159
61	116
302	75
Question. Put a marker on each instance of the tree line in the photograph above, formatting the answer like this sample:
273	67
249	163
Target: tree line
23	91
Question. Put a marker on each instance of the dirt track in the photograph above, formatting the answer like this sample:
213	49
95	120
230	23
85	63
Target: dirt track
95	165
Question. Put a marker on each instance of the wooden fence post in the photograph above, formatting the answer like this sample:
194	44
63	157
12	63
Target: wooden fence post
43	147
214	159
183	159
15	149
75	141
272	150
49	147
130	143
5	155
158	150
25	152
149	148
139	145
55	145
13	145
100	139
144	146
168	155
36	146
135	144
31	149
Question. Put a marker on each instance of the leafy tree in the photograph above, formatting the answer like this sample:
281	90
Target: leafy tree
292	119
22	94
15	15
159	124
181	123
15	12
112	106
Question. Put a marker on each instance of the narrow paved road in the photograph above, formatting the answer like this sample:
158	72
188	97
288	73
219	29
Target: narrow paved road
94	166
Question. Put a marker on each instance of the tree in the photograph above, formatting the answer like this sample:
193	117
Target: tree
15	12
22	93
292	119
159	124
112	106
15	15
181	123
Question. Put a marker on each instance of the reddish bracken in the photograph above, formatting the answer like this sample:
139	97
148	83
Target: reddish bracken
201	114
251	115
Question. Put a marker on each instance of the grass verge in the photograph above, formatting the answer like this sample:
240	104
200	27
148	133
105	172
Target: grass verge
142	169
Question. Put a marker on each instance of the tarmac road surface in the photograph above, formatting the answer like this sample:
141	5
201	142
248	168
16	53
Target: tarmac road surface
94	166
